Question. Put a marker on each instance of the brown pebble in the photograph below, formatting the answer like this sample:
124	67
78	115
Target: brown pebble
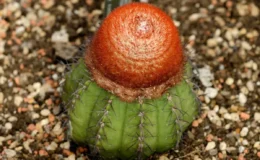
244	116
258	154
220	155
195	123
67	152
209	137
31	127
43	152
51	118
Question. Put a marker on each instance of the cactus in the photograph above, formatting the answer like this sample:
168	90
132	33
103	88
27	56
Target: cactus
131	117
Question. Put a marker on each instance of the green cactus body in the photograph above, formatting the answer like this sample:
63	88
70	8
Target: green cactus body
115	129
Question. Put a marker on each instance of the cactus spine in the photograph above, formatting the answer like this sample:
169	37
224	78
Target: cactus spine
116	126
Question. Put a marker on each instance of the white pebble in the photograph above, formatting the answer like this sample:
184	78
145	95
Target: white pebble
210	145
244	131
1	98
8	126
205	76
71	157
19	30
232	116
57	130
220	21
10	153
55	76
257	116
257	145
241	149
242	98
235	117
250	86
214	118
242	9
254	10
18	100
222	146
2	46
52	146
37	85
245	45
196	16
2	139
45	112
229	81
65	145
211	92
13	144
44	121
35	115
212	42
26	145
12	119
196	157
223	110
1	70
60	36
245	142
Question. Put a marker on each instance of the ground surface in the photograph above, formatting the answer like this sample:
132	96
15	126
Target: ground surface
37	38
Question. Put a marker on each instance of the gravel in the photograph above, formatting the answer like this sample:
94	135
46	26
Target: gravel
39	38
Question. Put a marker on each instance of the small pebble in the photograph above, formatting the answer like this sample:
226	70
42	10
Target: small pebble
244	131
232	116
43	152
60	36
245	45
56	110
212	42
35	115
244	116
44	121
229	81
214	118
242	98
45	112
13	144
245	142
1	98
52	147
213	152
57	130
71	157
26	145
250	86
222	146
257	117
8	126
210	145
257	145
10	153
241	149
163	157
12	119
196	16
55	77
205	76
211	92
65	145
254	10
18	100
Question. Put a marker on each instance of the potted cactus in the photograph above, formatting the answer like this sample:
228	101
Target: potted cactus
130	96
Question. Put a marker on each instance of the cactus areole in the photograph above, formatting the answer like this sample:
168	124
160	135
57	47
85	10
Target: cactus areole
130	96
